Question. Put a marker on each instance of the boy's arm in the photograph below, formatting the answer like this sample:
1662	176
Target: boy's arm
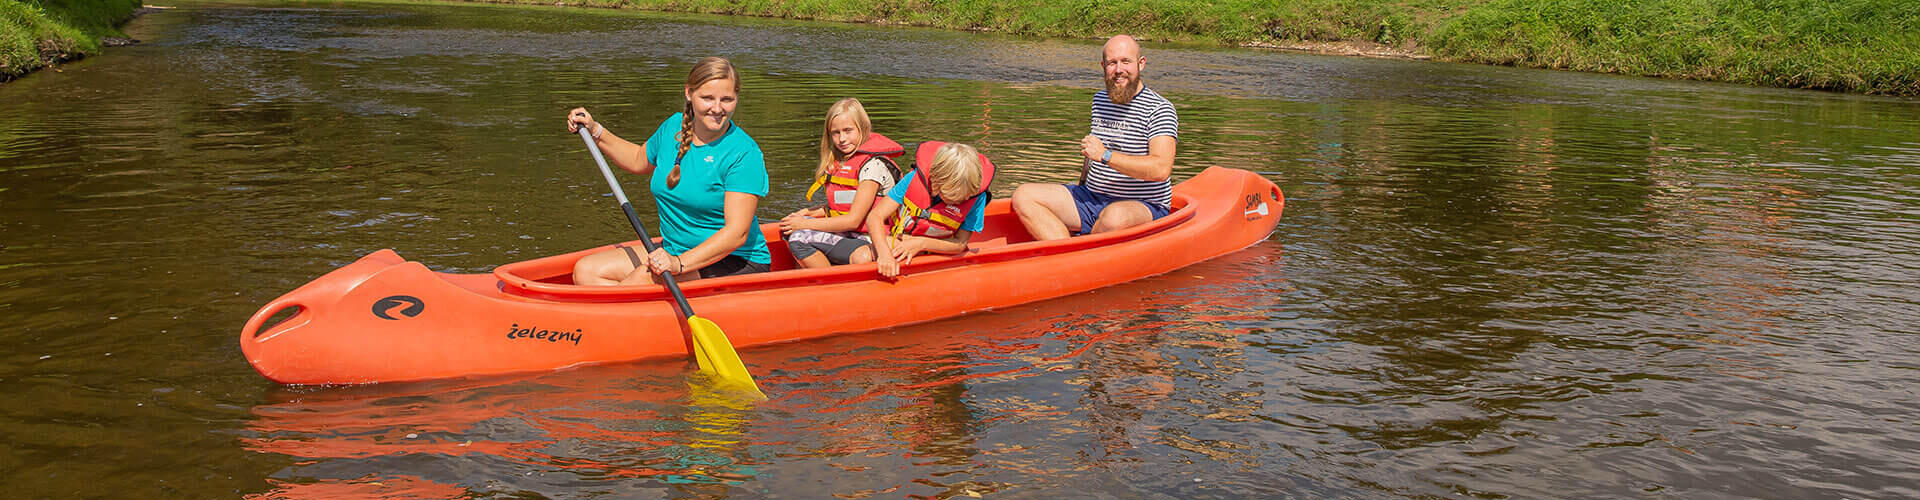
951	245
877	231
913	245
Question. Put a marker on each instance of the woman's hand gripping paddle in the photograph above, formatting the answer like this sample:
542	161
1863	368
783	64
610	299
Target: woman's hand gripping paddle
710	345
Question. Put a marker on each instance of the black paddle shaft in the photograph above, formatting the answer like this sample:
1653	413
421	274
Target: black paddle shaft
633	218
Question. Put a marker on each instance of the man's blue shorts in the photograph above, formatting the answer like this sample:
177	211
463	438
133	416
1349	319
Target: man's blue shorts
1090	204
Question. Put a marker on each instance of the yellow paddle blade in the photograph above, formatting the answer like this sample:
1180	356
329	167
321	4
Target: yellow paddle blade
714	353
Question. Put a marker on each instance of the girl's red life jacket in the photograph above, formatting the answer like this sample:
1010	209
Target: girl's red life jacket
922	213
843	181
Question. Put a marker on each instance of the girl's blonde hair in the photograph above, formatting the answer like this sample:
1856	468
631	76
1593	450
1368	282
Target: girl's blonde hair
956	172
707	70
830	156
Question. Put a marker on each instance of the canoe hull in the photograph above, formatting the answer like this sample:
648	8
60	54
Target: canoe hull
386	319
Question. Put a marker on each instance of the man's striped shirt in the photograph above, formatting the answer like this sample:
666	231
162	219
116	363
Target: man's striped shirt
1125	129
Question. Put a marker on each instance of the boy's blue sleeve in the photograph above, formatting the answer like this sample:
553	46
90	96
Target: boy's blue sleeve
976	216
899	191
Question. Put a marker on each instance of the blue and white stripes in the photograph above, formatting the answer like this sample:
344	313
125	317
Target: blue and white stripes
1126	128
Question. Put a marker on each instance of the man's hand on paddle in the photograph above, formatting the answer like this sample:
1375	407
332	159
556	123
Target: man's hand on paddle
1092	148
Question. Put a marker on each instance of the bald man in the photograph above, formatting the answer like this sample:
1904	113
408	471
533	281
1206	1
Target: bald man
1128	157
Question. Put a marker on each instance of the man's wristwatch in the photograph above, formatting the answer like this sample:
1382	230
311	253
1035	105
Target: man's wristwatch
1106	157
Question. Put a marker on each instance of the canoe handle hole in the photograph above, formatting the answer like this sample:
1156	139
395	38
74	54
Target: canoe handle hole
278	317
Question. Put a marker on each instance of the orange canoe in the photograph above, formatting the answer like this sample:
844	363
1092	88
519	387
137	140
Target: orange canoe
385	319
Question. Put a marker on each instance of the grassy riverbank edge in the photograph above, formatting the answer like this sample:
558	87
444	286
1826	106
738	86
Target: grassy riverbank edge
35	34
1856	46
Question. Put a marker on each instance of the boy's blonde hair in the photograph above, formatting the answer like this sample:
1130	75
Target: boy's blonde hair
956	172
829	156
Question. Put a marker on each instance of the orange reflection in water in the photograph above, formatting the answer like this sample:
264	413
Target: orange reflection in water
599	422
394	487
892	407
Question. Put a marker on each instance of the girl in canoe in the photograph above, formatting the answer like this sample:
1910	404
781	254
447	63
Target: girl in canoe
856	165
935	208
707	177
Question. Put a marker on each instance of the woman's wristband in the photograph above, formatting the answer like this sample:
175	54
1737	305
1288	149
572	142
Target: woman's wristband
597	130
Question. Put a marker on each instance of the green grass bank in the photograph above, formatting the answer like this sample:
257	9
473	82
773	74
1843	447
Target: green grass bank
1863	46
37	33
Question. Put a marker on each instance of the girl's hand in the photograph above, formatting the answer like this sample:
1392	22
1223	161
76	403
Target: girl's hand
795	222
578	118
888	267
659	261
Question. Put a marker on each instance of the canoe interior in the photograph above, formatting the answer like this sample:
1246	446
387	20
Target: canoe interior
552	277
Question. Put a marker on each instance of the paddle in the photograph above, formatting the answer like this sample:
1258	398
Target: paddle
710	345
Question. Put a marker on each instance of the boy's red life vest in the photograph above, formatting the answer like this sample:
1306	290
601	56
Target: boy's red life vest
843	181
923	214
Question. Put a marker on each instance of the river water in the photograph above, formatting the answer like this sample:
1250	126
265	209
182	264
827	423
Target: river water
1487	283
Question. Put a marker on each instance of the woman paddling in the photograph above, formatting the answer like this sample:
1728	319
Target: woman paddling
713	178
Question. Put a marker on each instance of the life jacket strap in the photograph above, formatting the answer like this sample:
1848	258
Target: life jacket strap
817	184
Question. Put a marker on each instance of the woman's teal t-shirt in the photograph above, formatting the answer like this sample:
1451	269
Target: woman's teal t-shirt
695	209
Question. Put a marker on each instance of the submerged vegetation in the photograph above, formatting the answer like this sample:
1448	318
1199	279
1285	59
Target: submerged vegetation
36	33
1866	46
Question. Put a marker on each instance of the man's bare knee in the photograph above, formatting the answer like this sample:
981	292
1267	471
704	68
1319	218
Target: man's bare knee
1122	215
1029	196
1113	224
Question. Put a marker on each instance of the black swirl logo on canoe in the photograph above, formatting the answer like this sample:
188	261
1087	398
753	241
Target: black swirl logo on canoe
414	306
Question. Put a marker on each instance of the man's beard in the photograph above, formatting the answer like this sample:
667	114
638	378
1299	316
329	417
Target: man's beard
1123	95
